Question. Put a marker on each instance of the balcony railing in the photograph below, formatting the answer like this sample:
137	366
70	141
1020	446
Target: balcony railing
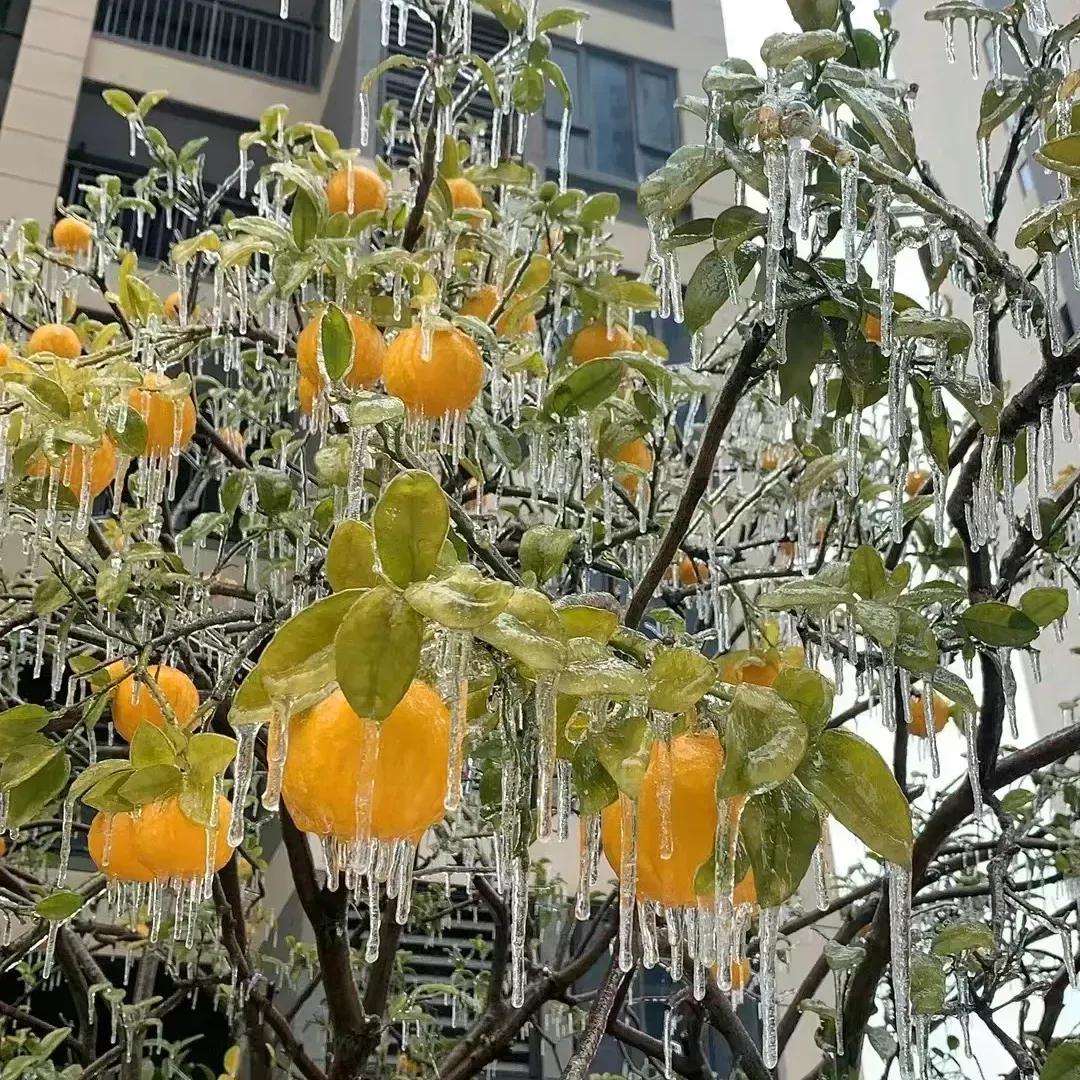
157	238
215	30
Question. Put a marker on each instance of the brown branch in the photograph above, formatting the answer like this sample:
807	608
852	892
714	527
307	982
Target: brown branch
739	380
604	1008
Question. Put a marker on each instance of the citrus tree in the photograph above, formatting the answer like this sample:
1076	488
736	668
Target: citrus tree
376	520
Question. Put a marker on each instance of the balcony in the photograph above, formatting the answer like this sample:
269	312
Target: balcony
251	41
157	238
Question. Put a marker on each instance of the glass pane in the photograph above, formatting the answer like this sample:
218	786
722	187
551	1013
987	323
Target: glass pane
613	140
577	160
655	103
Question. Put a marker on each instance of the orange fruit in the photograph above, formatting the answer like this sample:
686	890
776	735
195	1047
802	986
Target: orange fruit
740	973
485	300
170	845
448	381
368	190
327	748
871	328
128	712
915	481
234	439
72	235
465	194
3	847
55	338
117	832
637	453
369	352
770	460
917	724
171	305
160	414
1063	478
102	467
594	341
696	761
305	391
759	667
691	572
5	354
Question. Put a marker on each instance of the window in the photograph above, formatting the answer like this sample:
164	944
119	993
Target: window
624	124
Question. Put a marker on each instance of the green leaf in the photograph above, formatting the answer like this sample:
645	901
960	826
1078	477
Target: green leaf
927	985
1061	155
815	14
336	339
464	600
593	783
528	630
804	337
583	620
28	799
988	415
623	747
274	492
152	783
1045	605
132	438
916	647
543	550
210	754
999	625
585	387
26	761
779	51
955	689
377	651
151	746
112	585
49	596
679	678
121	101
304	219
593	670
885	120
350	557
780	830
709	287
736	225
878	621
764	740
599	208
1000	100
509	12
849	778
868	577
19	724
411	521
965	935
809	693
1063	1062
94	774
59	906
804	594
935	429
528	89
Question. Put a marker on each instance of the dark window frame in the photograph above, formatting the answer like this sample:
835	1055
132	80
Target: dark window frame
583	122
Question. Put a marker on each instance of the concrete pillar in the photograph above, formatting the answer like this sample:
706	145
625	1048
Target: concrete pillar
40	109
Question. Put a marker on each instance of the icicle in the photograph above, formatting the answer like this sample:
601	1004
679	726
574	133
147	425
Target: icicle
589	841
900	953
854	461
776	174
995	52
384	23
459	647
985	180
886	263
663	789
849	217
364	109
1048	259
769	923
1064	410
545	705
1008	685
68	813
1039	17
337	11
971	733
564	148
821	883
669	1028
519	910
1046	443
981	346
973	46
796	183
243	770
50	949
950	41
627	880
283	10
1034	518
